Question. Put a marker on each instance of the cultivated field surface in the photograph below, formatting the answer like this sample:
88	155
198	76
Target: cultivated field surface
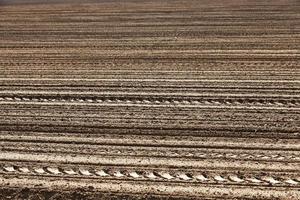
149	99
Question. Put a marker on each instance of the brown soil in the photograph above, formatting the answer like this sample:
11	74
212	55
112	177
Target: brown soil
160	99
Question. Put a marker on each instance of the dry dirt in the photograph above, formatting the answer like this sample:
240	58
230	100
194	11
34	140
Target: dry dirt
159	99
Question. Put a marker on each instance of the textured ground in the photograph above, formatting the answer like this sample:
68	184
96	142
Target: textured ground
160	99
